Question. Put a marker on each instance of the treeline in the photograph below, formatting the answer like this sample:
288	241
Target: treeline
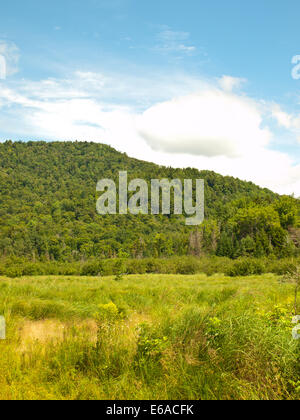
245	266
48	210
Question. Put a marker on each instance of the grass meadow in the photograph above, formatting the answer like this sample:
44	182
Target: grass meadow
148	337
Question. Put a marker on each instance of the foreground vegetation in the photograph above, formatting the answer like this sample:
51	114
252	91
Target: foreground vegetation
148	337
245	266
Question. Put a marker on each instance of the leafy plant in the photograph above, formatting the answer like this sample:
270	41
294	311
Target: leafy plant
119	269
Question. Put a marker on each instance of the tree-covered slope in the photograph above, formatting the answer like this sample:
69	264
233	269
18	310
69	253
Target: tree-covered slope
48	208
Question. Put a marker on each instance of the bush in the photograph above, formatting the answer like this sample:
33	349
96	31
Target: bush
119	270
187	266
14	271
136	267
107	312
92	269
150	348
33	269
246	267
282	267
209	265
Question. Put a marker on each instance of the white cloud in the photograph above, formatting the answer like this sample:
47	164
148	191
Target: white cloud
229	83
283	118
266	168
289	121
209	123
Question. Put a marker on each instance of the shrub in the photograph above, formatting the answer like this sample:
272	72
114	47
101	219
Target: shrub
282	267
14	271
136	267
246	267
119	269
153	265
150	349
92	269
187	266
32	269
107	312
150	346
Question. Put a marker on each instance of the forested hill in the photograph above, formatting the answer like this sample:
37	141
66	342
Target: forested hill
48	209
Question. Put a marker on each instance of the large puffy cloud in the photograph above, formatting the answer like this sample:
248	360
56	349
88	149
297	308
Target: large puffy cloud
209	123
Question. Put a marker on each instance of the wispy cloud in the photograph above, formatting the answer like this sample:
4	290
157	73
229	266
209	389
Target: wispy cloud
10	52
174	41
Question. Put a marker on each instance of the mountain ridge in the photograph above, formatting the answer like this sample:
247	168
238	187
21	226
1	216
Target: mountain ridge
48	199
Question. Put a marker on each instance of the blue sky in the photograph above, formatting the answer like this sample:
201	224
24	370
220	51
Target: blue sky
183	83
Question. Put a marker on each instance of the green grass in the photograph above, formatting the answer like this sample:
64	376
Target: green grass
148	337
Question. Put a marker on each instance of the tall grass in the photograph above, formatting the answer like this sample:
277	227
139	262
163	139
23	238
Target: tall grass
148	337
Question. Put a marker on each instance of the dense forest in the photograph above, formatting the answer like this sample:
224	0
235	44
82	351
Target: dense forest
48	209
